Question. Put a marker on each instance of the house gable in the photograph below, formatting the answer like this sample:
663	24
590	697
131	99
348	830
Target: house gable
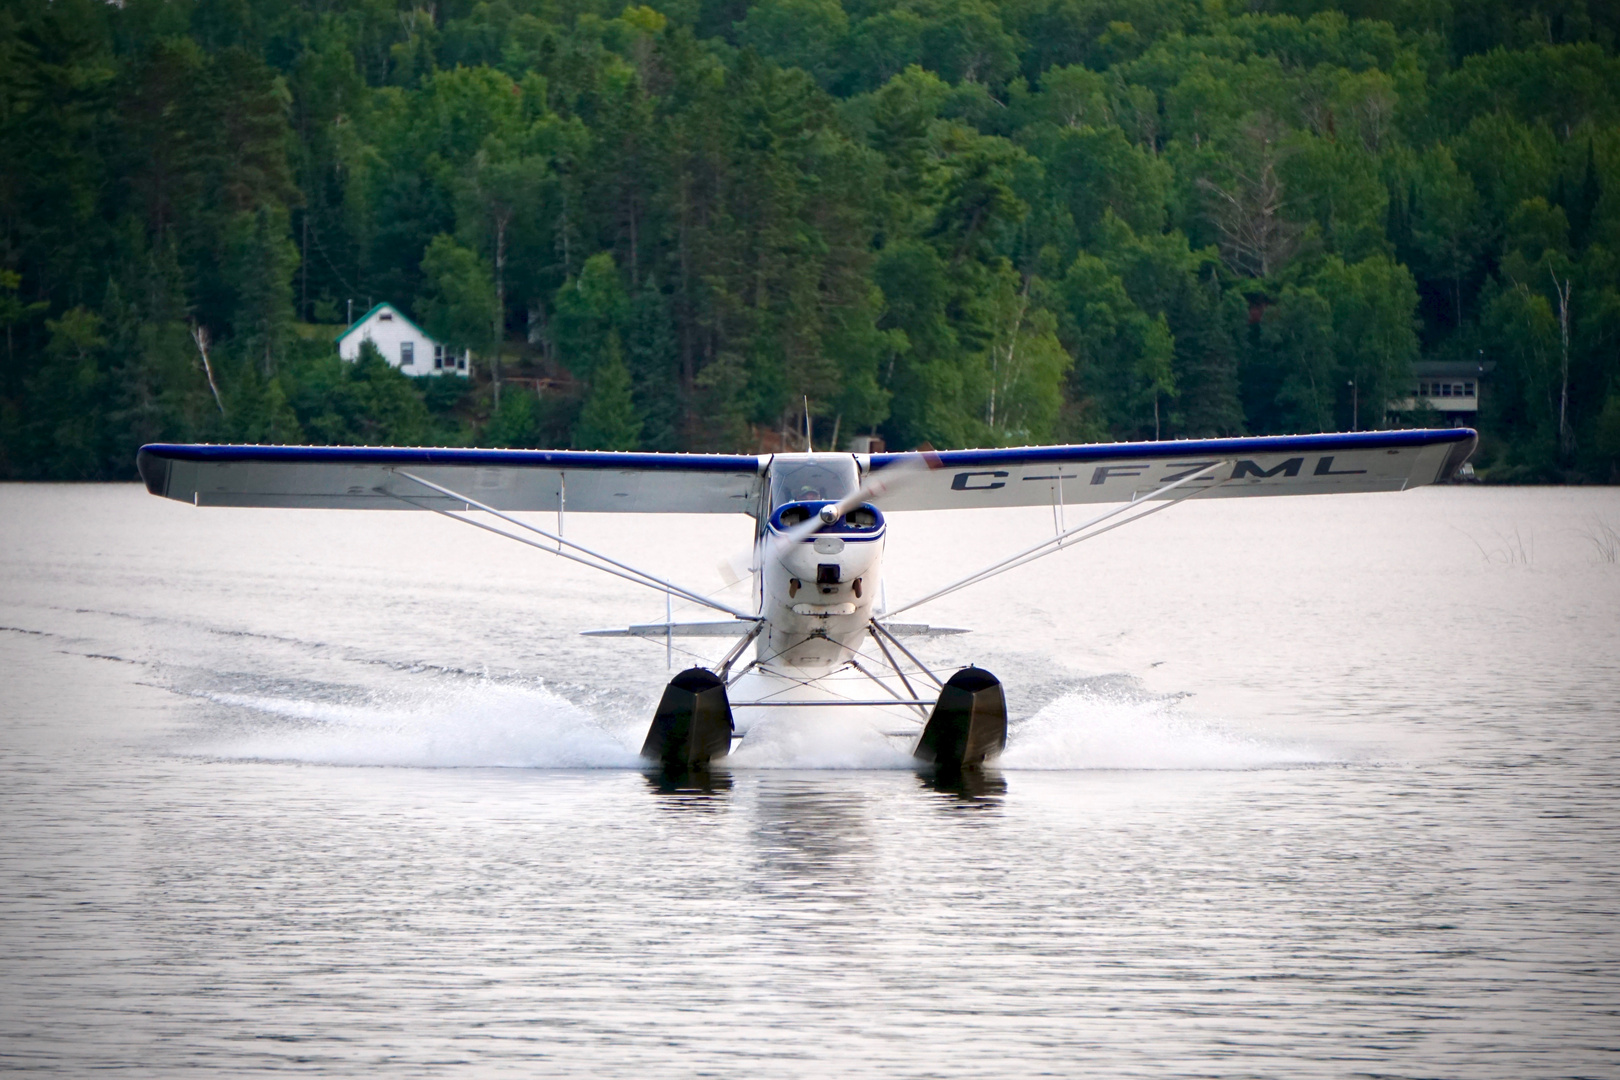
403	344
384	306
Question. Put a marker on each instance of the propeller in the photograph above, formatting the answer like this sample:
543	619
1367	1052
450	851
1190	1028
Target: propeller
878	483
736	568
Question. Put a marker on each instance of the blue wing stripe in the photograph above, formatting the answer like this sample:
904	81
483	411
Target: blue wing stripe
1265	444
397	456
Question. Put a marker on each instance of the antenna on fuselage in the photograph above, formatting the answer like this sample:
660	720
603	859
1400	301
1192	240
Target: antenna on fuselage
809	449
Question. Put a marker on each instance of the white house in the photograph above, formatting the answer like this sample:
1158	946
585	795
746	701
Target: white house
1450	387
401	342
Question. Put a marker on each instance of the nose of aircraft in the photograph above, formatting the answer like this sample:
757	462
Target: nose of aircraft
833	560
829	560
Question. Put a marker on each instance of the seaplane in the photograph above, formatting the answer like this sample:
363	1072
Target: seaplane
825	641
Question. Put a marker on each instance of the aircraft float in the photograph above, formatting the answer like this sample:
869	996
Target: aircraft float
824	641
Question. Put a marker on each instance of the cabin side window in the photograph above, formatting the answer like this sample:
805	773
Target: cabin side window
407	354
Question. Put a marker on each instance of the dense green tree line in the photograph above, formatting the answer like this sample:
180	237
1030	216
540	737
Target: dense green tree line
952	222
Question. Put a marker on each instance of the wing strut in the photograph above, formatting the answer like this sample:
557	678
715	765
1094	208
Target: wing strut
737	650
595	559
1057	543
856	664
879	632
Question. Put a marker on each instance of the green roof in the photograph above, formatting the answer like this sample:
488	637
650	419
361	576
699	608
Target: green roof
385	304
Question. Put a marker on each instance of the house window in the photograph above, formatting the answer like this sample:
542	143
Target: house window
1423	389
461	362
1468	389
407	354
1445	389
438	357
387	316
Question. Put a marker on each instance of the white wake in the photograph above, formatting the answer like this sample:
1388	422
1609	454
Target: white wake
822	743
1124	729
444	727
1105	726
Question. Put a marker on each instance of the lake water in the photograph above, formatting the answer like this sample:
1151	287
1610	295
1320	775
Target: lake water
1321	786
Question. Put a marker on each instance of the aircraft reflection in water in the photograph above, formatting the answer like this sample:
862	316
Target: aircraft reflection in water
967	785
702	788
679	781
824	645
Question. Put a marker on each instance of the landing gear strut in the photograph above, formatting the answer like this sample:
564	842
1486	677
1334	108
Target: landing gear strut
968	724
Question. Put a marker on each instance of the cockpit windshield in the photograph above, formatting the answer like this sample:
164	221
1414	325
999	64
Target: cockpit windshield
823	477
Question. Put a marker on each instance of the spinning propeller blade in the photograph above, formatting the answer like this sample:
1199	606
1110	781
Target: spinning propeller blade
877	485
736	568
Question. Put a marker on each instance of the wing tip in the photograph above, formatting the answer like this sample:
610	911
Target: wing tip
154	470
1461	451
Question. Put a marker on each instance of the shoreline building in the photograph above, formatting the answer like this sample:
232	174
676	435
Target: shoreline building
1451	388
402	343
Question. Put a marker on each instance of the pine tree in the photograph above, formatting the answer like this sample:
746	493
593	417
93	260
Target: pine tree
609	420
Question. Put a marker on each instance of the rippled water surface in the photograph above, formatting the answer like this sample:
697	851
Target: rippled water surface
1321	786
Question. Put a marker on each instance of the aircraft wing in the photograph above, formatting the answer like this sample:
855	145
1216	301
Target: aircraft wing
363	477
1123	472
360	477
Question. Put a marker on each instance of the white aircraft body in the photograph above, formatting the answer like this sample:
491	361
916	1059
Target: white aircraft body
822	642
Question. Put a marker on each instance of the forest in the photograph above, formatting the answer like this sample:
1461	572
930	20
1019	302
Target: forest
679	225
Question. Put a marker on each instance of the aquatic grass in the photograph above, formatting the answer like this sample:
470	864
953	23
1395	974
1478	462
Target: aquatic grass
1509	550
1605	538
